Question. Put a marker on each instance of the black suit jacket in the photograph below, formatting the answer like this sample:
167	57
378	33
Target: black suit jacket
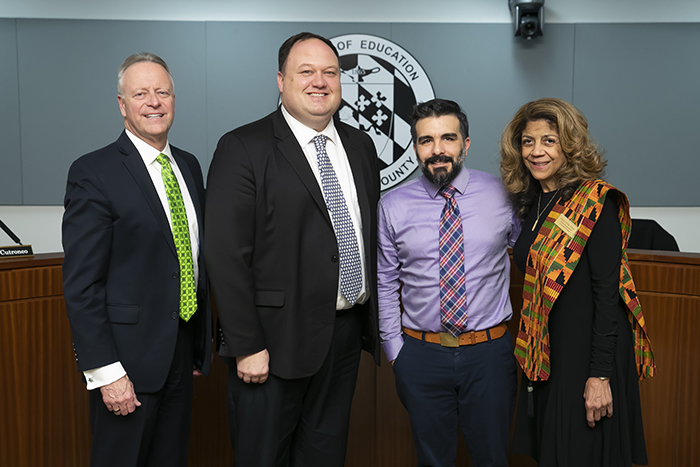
120	270
271	249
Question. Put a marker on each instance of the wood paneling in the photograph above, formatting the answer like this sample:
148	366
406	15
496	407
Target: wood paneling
363	429
44	416
669	289
667	278
210	444
670	404
45	410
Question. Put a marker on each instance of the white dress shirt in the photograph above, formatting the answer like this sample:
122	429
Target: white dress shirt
341	166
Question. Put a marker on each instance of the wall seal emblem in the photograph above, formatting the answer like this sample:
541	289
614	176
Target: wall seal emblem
381	83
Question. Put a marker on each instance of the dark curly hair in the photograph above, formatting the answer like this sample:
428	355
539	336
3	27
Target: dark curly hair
439	108
584	160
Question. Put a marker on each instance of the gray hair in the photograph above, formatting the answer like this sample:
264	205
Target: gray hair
137	58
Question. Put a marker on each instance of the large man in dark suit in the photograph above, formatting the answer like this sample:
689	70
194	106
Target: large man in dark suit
134	281
283	235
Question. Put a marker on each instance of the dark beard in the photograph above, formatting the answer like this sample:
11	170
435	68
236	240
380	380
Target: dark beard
442	177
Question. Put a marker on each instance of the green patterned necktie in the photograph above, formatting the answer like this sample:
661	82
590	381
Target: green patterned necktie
181	235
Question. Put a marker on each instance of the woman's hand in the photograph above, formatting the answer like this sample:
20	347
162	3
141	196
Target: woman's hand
598	397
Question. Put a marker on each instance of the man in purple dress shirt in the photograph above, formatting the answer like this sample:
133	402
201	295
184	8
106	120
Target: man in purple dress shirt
447	382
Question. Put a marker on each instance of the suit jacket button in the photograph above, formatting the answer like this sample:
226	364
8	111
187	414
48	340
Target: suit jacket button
174	315
334	259
175	274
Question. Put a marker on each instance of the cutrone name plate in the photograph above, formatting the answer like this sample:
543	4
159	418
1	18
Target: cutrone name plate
16	251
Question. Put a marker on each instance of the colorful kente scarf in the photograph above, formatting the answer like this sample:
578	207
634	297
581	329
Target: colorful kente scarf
552	259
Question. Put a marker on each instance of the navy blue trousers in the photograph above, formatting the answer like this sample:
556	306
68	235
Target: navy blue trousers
158	432
471	388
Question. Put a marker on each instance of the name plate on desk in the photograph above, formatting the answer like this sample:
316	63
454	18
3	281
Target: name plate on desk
17	251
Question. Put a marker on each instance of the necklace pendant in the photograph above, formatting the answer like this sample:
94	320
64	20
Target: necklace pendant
539	213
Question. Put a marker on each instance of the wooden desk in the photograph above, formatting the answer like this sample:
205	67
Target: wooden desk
44	412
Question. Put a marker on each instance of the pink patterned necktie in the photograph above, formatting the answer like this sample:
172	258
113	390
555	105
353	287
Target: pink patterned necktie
453	300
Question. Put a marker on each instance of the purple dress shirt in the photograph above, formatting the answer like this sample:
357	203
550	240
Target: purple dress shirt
409	218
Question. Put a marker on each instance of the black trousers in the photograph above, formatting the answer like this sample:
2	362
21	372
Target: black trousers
157	433
298	422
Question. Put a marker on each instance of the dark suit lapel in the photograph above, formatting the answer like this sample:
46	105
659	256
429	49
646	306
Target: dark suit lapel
134	163
290	149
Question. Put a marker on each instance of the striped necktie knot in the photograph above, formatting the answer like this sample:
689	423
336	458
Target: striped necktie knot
448	191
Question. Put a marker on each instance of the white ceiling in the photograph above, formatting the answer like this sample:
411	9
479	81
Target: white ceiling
384	11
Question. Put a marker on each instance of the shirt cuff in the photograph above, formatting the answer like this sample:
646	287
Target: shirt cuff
392	347
103	376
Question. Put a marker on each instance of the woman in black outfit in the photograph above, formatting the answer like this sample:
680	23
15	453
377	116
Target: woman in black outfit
582	341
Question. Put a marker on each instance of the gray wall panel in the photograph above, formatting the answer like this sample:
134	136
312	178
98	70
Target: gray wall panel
636	83
490	73
68	91
638	86
10	155
242	68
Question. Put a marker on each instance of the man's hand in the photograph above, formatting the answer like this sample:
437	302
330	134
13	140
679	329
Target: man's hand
197	372
253	368
599	401
119	396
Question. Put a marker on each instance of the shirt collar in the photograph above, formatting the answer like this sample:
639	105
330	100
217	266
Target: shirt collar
148	153
305	134
460	183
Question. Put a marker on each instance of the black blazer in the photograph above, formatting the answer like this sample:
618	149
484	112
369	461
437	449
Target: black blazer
120	271
271	249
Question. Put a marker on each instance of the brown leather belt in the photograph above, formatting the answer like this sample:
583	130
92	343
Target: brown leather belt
446	339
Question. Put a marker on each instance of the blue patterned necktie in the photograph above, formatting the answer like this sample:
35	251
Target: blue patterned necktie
453	300
350	266
181	236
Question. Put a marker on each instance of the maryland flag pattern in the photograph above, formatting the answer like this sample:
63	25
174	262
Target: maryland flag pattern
552	259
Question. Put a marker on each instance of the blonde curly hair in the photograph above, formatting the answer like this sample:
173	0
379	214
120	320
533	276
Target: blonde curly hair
584	160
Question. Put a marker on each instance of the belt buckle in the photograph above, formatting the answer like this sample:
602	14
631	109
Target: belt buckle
448	340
